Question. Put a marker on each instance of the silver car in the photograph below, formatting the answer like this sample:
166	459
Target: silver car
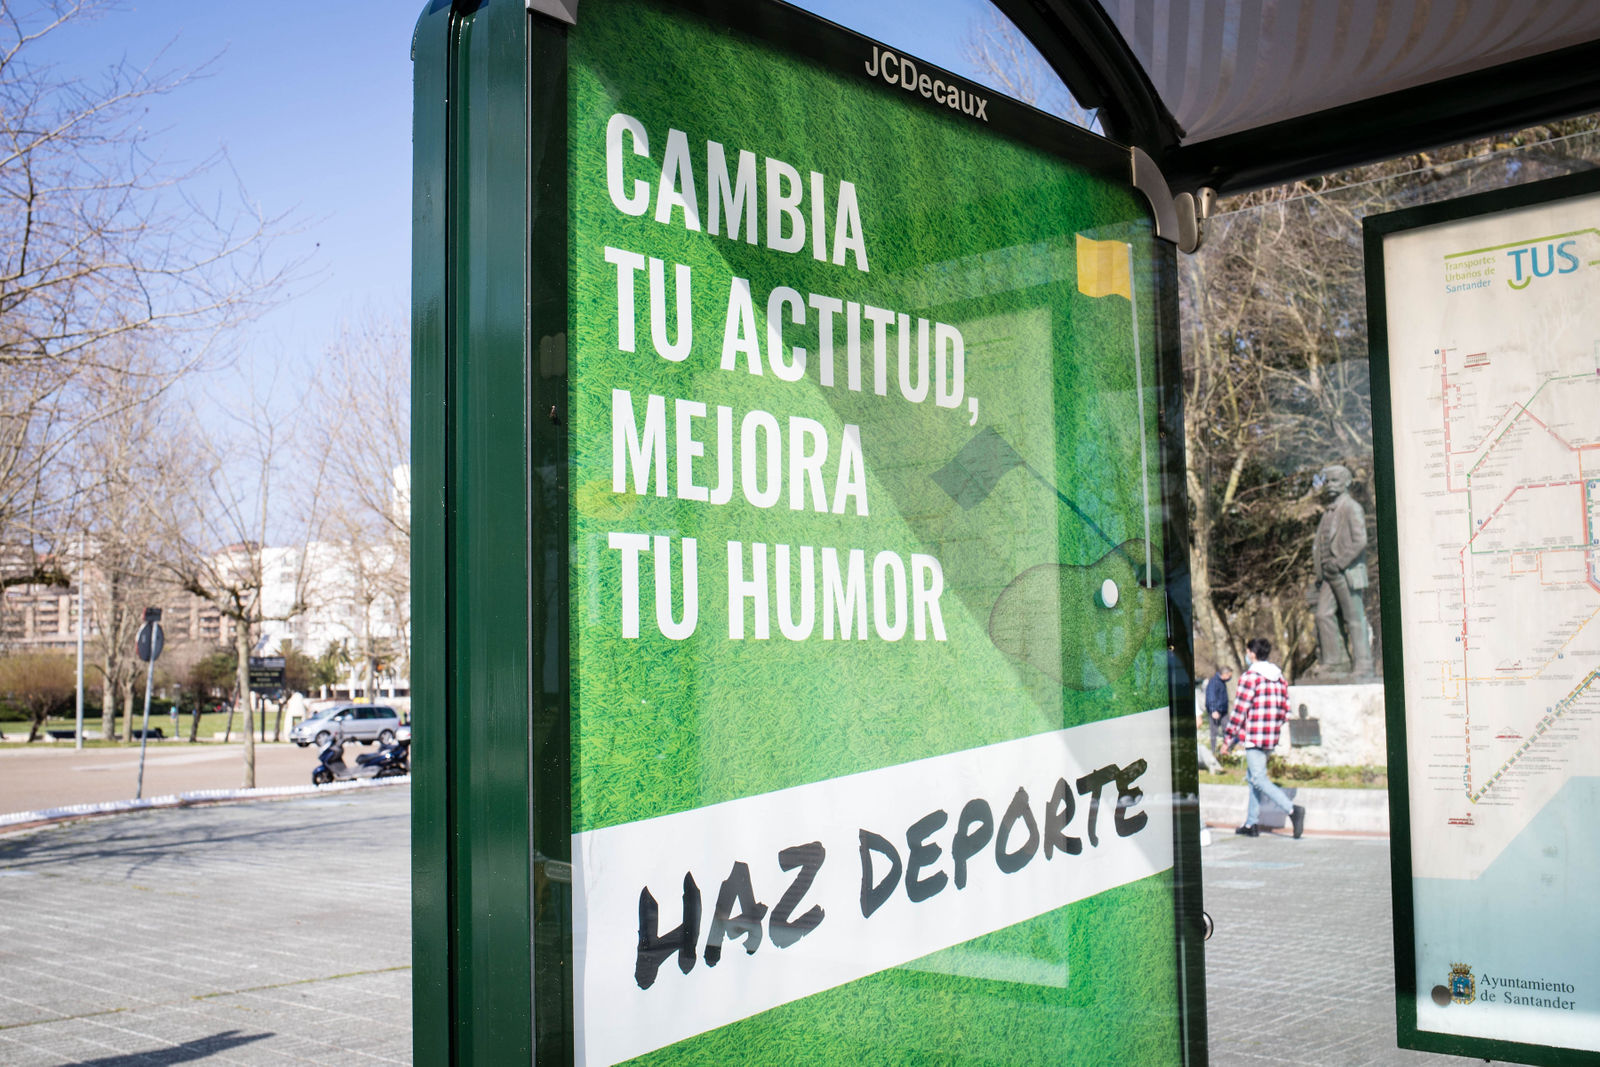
348	722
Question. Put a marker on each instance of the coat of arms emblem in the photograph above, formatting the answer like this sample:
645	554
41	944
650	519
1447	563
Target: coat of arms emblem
1463	990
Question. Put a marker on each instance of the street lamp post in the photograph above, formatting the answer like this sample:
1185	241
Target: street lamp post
77	737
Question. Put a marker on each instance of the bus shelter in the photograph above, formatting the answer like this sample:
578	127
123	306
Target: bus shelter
802	648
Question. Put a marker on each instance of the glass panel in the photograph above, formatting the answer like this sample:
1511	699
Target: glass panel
971	38
1278	388
871	748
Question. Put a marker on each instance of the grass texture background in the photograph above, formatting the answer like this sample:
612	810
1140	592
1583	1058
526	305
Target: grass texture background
964	228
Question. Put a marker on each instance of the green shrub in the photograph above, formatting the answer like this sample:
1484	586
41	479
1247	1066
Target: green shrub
1363	776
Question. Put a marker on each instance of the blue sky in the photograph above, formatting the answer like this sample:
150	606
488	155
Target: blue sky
312	104
311	101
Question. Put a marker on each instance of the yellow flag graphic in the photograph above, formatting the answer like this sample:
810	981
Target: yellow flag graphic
1103	268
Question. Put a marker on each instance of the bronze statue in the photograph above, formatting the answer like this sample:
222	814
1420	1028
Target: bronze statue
1337	558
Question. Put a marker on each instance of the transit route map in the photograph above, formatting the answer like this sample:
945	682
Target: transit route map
1512	585
1494	382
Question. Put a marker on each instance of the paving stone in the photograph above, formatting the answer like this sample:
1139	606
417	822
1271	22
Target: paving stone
1300	969
279	933
255	934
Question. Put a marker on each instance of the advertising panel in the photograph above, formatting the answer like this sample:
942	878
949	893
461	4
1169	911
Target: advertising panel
871	748
1486	354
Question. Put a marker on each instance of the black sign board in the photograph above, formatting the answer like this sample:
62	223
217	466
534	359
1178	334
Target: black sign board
266	673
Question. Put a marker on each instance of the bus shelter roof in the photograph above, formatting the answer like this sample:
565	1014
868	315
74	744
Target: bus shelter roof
1235	94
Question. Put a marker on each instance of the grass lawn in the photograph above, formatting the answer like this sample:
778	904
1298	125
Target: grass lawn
210	724
1364	777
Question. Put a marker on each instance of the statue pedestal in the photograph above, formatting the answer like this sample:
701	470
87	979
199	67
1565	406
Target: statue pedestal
1352	721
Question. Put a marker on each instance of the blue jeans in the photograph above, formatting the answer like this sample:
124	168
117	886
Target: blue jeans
1255	773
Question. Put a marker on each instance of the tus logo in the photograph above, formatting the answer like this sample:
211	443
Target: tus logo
1539	259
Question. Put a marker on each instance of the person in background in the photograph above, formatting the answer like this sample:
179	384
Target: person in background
1259	712
1217	700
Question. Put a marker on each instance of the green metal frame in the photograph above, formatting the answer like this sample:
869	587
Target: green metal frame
472	869
430	861
491	674
1188	896
1374	229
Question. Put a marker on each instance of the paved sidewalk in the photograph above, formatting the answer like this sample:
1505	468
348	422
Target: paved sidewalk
40	776
261	933
1300	969
279	932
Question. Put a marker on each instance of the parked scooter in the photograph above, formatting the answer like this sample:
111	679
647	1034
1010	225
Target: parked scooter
390	761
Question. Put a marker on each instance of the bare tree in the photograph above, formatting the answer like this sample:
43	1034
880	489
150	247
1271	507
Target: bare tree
119	462
200	672
995	45
1277	383
98	242
362	398
236	493
38	682
362	401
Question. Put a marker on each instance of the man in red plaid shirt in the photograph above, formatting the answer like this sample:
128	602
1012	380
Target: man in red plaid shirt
1260	709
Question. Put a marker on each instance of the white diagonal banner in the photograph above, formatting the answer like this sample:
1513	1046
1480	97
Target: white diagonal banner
832	881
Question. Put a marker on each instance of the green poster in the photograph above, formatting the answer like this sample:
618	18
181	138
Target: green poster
870	743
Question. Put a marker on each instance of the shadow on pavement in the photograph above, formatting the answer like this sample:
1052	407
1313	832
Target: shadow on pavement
189	1051
137	839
